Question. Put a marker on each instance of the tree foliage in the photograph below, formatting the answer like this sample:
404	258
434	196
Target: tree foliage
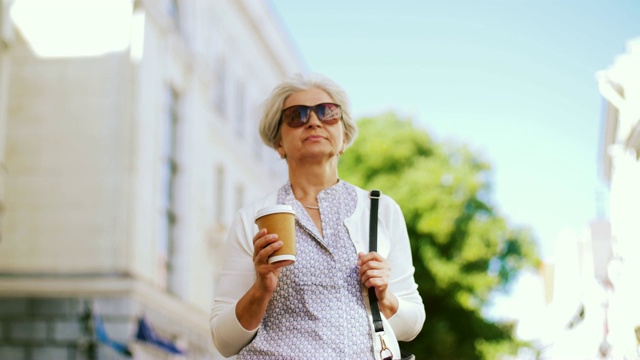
463	250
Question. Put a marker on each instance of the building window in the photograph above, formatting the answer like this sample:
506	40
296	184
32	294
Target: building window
168	174
219	194
220	88
258	145
240	110
239	196
173	10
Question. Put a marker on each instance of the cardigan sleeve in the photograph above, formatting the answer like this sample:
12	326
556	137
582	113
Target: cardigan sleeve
236	277
409	319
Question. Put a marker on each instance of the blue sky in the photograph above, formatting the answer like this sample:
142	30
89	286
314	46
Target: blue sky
512	79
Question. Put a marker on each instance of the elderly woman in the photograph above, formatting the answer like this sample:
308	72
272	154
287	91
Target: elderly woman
317	306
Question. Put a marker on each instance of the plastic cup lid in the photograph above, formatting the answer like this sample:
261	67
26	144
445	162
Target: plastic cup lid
274	209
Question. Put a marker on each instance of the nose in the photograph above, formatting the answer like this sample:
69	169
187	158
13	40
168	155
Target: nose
313	120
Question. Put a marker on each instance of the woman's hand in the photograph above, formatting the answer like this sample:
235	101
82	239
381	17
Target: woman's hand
267	274
252	305
375	271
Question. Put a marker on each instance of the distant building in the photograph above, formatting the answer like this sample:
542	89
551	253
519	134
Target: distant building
620	156
128	138
564	313
584	304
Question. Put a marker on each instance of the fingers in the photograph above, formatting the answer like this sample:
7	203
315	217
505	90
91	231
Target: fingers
370	256
373	261
375	279
264	245
374	270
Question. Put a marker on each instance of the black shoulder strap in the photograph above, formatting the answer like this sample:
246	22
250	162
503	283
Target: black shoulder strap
374	195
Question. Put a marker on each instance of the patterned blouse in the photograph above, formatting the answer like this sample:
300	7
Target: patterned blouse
317	310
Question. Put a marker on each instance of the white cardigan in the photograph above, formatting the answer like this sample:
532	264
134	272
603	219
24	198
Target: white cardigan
238	273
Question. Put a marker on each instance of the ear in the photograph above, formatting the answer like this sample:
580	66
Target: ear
345	137
280	150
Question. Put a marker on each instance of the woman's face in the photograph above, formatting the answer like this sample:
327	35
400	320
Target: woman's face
315	139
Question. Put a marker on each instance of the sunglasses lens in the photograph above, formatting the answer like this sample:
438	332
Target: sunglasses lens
295	116
298	115
328	113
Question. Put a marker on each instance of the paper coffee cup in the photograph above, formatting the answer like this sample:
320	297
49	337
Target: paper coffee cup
281	220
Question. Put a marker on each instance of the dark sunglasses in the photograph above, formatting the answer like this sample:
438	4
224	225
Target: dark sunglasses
297	115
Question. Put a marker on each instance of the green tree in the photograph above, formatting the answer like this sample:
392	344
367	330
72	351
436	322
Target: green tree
463	250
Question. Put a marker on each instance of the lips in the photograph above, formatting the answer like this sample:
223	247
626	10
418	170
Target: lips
314	138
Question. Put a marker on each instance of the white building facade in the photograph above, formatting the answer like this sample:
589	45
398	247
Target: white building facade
6	37
563	311
620	88
128	138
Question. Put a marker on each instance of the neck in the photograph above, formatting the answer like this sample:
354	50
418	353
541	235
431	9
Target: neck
308	180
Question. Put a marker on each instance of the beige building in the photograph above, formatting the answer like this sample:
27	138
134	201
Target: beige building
620	87
127	141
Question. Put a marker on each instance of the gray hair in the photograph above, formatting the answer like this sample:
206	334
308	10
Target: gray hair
269	126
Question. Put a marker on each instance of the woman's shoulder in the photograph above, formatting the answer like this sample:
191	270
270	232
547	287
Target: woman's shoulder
360	191
252	207
386	201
